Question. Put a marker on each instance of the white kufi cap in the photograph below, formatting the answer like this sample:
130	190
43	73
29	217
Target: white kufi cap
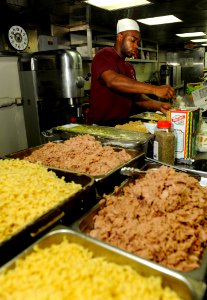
127	24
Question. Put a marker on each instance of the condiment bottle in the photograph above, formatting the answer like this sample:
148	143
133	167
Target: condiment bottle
164	143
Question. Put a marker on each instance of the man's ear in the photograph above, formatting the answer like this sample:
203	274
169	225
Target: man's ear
119	36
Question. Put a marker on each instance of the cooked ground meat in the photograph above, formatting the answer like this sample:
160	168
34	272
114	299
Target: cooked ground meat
82	153
161	217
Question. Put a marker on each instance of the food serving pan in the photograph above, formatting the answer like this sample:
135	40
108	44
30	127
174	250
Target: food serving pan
106	183
103	183
186	288
107	135
86	222
148	116
70	208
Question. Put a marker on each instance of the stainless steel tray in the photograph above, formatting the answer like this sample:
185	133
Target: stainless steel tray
107	135
85	224
149	116
104	183
70	209
186	288
105	132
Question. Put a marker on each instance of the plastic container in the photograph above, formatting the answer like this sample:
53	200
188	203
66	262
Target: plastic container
201	139
164	143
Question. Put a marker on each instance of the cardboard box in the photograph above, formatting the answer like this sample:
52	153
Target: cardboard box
186	124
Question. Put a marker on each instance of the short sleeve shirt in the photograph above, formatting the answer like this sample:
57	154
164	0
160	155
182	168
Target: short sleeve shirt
107	104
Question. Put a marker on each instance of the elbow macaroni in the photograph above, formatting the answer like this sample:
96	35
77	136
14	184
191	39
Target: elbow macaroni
27	191
68	271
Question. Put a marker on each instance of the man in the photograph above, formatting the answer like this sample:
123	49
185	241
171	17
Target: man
114	88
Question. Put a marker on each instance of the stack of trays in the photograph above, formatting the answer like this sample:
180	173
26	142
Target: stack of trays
185	288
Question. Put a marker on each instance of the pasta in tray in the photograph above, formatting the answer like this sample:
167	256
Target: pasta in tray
69	271
134	126
27	191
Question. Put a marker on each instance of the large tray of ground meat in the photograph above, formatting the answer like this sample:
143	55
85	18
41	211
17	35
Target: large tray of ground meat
84	154
160	216
80	267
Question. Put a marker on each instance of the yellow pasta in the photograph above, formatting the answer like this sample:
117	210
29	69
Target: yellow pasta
69	271
134	126
27	191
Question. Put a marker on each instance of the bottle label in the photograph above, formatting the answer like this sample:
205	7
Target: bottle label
155	150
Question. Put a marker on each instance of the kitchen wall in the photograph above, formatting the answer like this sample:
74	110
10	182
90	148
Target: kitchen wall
144	71
12	126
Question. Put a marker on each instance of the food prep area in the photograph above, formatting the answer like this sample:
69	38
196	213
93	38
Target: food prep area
103	150
146	229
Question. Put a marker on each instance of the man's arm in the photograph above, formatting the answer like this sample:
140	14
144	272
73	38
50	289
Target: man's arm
150	104
124	84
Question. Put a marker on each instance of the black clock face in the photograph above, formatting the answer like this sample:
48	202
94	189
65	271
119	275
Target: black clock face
18	37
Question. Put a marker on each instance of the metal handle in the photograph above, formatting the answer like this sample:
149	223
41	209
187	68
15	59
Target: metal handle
48	133
131	171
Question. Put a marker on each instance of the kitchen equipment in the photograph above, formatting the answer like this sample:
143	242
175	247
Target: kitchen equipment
170	74
165	74
52	87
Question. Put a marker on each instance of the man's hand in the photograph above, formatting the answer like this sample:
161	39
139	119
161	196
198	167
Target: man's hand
150	104
165	91
164	107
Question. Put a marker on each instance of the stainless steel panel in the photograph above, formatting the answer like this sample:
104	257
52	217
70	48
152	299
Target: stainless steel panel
61	67
51	86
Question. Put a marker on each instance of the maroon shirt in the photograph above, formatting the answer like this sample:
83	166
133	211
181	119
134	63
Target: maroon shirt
106	104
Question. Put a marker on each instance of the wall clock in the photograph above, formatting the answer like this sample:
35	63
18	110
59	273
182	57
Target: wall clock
18	37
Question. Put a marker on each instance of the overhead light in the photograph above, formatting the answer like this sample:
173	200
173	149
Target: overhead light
203	44
199	40
116	4
190	34
160	20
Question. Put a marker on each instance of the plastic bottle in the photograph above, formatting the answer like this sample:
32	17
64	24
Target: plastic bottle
164	143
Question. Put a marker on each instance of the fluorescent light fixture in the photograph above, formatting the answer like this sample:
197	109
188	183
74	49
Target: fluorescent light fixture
199	40
190	34
203	44
160	20
116	4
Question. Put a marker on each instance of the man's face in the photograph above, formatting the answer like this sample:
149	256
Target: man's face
130	43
